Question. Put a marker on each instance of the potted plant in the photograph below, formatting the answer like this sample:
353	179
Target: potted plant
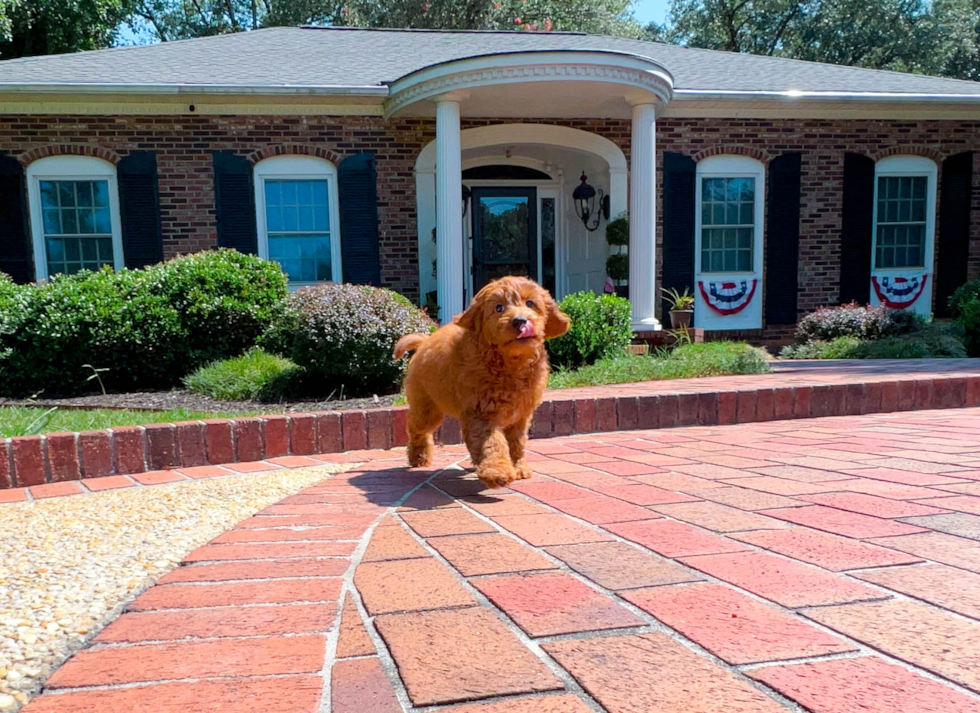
617	264
681	307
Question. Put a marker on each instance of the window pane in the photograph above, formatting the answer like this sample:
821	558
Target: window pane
103	223
86	220
52	221
299	207
900	232
100	194
69	221
66	193
304	259
728	202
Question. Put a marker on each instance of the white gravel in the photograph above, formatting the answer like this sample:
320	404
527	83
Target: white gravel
69	565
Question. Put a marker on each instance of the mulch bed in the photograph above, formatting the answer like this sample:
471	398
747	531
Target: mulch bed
168	400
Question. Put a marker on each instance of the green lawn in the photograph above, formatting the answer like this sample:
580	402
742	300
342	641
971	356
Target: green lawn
685	362
18	421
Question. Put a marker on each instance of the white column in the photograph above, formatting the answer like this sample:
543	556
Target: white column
643	218
449	210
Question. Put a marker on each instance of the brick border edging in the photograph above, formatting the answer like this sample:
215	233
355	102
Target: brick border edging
60	457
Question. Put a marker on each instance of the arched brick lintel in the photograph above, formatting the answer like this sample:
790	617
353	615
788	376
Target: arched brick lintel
733	149
294	150
105	154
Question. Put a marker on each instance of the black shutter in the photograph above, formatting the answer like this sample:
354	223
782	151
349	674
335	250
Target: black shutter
678	222
358	196
139	208
783	239
953	243
234	202
856	227
16	256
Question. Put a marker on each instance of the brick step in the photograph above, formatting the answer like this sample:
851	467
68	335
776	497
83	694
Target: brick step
34	460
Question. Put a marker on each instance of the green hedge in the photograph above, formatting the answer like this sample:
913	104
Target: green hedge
147	328
965	305
601	328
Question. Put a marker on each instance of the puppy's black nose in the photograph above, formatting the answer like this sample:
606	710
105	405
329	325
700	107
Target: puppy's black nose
518	322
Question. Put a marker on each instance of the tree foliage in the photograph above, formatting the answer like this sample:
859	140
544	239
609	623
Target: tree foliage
178	19
938	37
34	27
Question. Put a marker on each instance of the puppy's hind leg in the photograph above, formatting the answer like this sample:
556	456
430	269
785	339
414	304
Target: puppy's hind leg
424	417
488	448
516	440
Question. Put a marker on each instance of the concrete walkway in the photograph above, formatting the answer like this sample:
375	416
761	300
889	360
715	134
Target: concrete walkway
830	565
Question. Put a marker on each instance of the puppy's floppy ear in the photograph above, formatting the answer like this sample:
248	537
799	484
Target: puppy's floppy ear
558	322
472	318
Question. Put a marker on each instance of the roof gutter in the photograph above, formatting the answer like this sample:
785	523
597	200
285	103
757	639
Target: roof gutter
796	95
177	89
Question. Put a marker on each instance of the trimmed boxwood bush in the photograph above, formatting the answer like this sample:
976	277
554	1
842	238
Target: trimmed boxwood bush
601	327
147	328
343	336
255	375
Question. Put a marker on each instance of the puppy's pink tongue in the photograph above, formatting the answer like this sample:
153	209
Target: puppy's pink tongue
527	330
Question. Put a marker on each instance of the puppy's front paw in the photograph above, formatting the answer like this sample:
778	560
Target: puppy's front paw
496	475
522	470
420	455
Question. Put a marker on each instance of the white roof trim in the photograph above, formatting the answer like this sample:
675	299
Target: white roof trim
738	94
268	89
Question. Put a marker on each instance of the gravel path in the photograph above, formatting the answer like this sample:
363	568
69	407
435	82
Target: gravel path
69	565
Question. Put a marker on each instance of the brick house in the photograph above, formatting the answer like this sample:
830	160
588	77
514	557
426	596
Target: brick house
768	186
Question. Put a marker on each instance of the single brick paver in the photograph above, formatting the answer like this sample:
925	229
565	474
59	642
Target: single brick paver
616	565
748	568
554	603
354	639
409	585
866	684
735	627
466	654
783	581
474	555
825	550
652	673
913	632
360	685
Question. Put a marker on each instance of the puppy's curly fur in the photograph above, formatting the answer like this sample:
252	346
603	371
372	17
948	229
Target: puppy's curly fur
489	369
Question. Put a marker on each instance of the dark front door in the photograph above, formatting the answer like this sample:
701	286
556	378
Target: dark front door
505	233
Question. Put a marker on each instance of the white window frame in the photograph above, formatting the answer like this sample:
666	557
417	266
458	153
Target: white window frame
732	166
908	166
70	168
298	168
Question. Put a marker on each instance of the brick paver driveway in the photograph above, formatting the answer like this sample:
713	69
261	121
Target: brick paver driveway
828	565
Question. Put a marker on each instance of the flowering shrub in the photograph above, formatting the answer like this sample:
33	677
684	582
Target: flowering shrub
343	335
855	321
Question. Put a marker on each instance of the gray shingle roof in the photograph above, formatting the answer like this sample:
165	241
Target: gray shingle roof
357	58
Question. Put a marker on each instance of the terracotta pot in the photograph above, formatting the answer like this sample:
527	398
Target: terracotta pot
681	318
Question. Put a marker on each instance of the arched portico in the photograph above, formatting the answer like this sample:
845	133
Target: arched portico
546	85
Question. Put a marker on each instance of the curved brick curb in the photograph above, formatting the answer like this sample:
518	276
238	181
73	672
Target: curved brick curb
57	457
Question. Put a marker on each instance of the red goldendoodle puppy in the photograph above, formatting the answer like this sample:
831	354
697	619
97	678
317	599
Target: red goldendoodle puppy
489	369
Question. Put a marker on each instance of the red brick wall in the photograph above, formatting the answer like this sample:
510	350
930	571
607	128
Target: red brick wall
183	146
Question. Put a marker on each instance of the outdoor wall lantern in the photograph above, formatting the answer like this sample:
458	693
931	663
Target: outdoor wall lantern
467	193
584	196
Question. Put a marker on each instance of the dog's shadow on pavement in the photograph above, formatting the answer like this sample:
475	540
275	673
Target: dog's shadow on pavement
389	486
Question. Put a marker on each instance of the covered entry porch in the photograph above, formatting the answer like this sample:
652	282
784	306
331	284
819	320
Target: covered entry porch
499	199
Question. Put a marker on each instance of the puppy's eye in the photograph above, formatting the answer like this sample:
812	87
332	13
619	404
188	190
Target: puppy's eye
530	304
500	308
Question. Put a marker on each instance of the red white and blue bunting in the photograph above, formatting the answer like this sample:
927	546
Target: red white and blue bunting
899	292
727	298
